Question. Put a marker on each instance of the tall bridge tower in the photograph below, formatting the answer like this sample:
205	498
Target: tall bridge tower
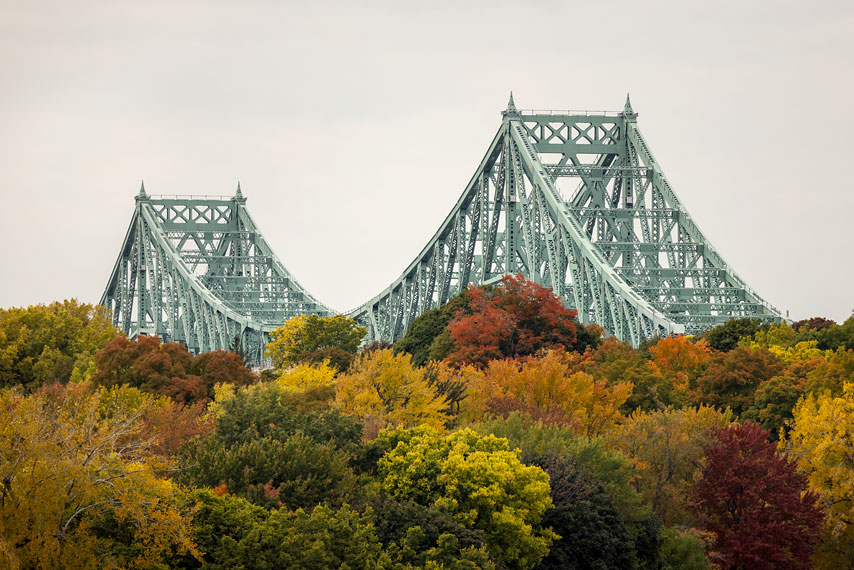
577	202
572	200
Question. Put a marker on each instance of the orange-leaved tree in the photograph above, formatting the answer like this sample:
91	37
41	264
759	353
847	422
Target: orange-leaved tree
731	378
680	363
550	388
667	447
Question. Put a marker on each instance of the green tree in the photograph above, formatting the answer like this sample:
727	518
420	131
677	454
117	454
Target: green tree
682	550
421	536
220	523
427	327
295	472
319	539
480	482
601	468
593	534
43	344
315	339
262	411
609	467
775	399
276	448
725	337
837	336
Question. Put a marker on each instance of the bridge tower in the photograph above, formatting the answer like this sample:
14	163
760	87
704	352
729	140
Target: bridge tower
575	201
196	270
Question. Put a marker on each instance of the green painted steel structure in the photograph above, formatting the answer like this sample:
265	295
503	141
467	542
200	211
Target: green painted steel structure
196	270
572	200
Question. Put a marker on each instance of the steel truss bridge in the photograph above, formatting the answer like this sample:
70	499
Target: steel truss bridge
571	200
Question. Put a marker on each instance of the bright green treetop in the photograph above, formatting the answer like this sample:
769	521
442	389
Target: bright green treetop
480	481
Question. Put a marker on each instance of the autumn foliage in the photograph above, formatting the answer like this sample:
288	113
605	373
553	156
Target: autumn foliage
755	501
384	389
43	344
516	319
312	339
498	434
167	368
79	479
550	388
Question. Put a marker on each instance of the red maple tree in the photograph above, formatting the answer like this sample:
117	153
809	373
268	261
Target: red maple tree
167	368
754	500
515	319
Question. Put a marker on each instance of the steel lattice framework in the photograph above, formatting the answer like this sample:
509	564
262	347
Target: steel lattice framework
574	201
196	270
578	203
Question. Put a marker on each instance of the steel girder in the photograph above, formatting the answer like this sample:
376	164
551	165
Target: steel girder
197	271
619	248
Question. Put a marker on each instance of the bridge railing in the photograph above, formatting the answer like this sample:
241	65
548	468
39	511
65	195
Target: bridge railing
583	113
190	197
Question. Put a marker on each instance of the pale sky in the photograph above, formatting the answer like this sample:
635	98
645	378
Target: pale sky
353	127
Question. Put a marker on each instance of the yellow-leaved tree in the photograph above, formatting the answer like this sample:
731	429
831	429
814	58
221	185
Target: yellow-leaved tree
780	335
79	484
383	389
306	376
822	439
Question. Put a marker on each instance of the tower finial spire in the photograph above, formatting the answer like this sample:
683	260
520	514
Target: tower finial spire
142	193
627	110
239	195
511	108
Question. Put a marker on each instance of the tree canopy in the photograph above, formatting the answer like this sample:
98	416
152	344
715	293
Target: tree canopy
167	368
480	481
315	339
756	502
516	318
43	344
383	389
79	485
508	443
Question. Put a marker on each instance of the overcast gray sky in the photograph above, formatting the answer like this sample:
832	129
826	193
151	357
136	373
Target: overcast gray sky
354	126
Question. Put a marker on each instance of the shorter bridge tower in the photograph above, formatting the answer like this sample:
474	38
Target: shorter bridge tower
196	270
